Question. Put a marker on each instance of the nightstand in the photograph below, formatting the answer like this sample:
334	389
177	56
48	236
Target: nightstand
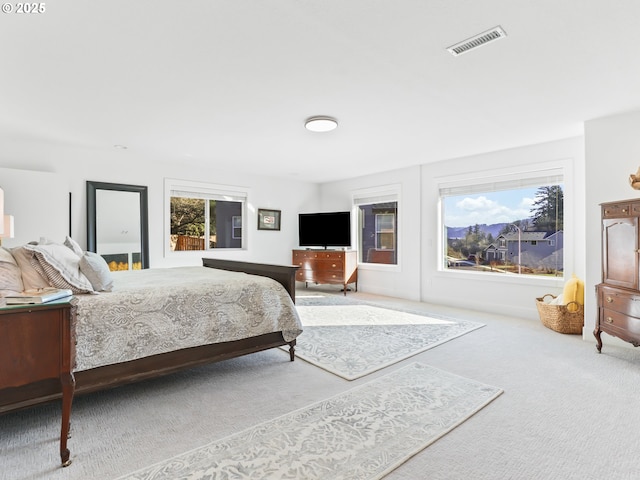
37	353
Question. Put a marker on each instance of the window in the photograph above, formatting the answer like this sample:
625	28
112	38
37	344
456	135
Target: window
377	214
386	229
204	216
236	222
512	226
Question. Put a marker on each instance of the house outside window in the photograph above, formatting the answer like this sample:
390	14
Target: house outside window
204	216
504	227
377	225
236	222
386	230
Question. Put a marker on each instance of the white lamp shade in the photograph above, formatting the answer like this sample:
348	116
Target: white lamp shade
7	224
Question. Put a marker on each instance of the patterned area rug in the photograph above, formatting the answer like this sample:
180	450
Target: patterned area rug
361	434
352	339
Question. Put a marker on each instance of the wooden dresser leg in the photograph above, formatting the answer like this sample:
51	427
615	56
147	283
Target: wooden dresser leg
596	333
68	389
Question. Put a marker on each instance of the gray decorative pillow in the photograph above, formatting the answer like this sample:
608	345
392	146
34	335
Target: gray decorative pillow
31	279
73	245
10	276
61	266
97	271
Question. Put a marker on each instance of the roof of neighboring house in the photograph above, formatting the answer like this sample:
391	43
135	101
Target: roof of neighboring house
528	236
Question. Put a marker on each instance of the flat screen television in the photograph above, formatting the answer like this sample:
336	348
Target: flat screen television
326	229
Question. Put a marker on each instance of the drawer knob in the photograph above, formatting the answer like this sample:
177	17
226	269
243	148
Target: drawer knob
609	300
608	320
333	265
624	210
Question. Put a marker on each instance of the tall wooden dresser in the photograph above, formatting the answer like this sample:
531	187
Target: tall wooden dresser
327	266
619	294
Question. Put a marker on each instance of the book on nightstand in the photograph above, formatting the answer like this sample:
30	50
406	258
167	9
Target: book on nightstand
40	295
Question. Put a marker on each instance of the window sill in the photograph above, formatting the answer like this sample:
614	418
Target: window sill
504	278
380	267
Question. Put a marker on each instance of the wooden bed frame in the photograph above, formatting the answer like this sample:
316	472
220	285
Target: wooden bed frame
153	366
156	365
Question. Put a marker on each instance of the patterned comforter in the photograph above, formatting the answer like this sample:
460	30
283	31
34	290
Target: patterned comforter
165	309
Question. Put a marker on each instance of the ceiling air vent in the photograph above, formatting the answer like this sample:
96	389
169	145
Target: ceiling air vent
477	41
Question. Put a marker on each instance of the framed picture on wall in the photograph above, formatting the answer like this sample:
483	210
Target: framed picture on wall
268	219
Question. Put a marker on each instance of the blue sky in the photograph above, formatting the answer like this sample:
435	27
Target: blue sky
489	207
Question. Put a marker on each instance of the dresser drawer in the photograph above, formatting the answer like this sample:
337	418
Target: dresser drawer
317	255
619	322
616	210
320	277
321	265
328	266
329	277
331	256
619	301
305	276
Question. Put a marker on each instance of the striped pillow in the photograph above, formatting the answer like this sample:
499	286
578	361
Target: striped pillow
32	279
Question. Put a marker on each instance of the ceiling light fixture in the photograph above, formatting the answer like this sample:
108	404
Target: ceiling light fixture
320	124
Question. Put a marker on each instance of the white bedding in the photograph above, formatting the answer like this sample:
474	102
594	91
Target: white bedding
161	310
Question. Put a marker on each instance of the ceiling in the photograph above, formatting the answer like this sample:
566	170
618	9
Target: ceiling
229	83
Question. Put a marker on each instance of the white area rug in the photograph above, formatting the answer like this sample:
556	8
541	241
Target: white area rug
361	434
353	340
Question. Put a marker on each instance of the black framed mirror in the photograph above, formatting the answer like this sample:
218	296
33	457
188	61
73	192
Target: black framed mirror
118	224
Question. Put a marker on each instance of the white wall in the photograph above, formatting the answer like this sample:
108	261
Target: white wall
76	165
612	154
418	276
42	210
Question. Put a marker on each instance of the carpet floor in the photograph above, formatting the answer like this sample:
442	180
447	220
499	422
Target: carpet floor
351	338
361	434
567	412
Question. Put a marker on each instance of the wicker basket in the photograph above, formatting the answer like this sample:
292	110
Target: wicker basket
559	317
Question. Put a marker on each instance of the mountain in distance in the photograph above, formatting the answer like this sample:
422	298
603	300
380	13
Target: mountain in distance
460	232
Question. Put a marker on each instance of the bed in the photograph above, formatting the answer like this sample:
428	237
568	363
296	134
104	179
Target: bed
247	327
158	321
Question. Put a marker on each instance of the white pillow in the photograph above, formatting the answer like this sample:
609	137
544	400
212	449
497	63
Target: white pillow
73	245
97	271
10	275
61	266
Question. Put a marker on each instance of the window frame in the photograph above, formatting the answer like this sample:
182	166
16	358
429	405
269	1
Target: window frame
208	192
373	195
